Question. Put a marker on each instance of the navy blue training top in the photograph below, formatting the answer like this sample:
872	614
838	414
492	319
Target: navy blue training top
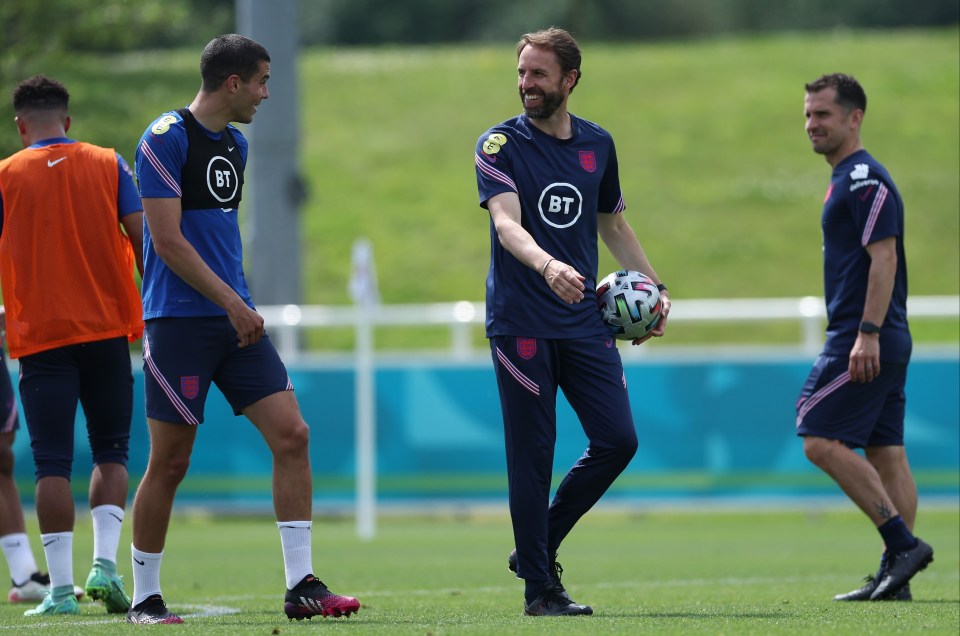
563	184
862	206
162	156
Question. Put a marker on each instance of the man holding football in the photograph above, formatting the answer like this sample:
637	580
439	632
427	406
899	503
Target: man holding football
550	182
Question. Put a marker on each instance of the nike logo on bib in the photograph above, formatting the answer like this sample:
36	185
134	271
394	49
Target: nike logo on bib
51	164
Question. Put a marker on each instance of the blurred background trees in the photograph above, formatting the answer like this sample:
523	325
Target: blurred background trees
41	28
347	22
44	27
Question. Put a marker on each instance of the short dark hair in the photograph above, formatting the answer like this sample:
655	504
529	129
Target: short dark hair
561	43
850	94
227	55
40	93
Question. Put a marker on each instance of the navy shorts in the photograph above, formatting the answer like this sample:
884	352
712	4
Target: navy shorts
9	416
95	374
857	414
182	356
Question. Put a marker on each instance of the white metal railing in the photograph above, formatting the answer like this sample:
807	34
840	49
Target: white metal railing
285	321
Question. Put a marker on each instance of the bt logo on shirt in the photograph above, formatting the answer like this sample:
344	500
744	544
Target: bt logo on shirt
222	179
560	205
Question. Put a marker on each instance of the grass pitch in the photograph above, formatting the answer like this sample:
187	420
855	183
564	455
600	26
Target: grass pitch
663	572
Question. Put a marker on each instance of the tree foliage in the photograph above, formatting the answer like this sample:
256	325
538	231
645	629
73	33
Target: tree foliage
32	29
442	21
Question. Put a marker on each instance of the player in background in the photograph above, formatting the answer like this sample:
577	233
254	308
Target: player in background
202	327
70	234
854	396
27	583
550	182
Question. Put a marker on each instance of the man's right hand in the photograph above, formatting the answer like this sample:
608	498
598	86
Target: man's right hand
565	281
247	323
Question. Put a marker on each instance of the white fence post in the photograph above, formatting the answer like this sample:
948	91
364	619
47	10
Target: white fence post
366	430
366	297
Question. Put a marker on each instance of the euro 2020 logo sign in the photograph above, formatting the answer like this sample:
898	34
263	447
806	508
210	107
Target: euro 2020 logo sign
221	179
560	205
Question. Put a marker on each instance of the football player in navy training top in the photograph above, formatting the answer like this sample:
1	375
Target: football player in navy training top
854	396
202	327
550	182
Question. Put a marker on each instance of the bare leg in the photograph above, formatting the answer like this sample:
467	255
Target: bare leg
856	476
11	512
170	448
54	505
278	419
891	464
108	485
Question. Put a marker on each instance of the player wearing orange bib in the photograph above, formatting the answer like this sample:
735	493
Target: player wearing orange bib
70	232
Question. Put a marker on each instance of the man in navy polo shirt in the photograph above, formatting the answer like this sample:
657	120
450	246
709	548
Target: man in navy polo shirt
854	396
550	182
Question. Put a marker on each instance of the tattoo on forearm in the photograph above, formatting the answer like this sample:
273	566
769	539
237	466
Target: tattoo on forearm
884	511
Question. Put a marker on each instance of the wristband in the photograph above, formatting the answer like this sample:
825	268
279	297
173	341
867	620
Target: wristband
543	270
868	327
661	287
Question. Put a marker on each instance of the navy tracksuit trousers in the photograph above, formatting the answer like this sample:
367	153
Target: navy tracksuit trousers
529	371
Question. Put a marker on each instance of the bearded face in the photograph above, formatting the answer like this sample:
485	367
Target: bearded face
540	104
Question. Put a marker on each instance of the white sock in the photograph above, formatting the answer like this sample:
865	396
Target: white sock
146	574
58	548
297	551
16	549
107	522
